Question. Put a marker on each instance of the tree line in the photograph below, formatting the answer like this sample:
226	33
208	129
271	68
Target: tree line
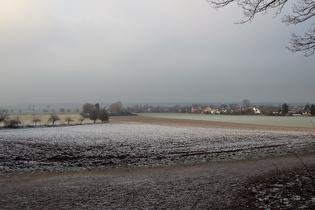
228	109
8	122
94	112
91	111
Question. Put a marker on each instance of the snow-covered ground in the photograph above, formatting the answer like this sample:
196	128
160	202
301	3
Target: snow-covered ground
129	143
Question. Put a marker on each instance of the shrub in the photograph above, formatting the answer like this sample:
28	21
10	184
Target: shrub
14	123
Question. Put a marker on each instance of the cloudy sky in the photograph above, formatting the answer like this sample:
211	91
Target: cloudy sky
147	51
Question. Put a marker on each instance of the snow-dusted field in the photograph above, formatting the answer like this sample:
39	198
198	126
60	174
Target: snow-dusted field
129	143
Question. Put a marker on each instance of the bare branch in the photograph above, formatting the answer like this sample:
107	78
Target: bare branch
251	7
301	12
304	43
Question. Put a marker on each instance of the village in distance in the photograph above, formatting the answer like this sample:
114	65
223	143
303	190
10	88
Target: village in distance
11	116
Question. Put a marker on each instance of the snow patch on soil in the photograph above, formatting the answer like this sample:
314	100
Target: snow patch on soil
128	143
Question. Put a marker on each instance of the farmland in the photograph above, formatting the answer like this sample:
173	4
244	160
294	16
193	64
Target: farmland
122	143
110	165
290	121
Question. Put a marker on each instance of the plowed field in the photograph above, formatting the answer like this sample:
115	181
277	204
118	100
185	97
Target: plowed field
153	163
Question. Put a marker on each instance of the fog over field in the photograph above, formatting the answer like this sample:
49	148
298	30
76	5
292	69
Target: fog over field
147	51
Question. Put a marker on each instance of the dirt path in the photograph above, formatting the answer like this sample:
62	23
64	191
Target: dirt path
203	186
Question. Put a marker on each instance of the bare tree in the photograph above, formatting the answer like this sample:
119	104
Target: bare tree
86	108
14	123
284	109
4	116
116	107
53	118
68	119
81	119
301	12
102	115
93	114
35	120
135	108
246	103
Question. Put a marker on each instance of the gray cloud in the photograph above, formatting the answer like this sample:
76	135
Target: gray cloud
146	51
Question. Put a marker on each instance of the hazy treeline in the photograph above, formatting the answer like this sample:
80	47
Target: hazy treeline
228	109
95	112
91	111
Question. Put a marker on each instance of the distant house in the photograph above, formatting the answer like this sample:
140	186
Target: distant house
255	109
196	109
235	109
215	110
294	111
306	110
306	113
147	110
207	110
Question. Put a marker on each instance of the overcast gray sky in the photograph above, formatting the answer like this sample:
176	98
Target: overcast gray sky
147	51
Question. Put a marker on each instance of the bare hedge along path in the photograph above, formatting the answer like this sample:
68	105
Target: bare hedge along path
216	185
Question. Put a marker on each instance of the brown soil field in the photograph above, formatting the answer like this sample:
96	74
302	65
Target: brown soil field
203	123
281	182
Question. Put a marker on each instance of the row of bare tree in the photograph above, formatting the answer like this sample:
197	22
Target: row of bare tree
94	112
